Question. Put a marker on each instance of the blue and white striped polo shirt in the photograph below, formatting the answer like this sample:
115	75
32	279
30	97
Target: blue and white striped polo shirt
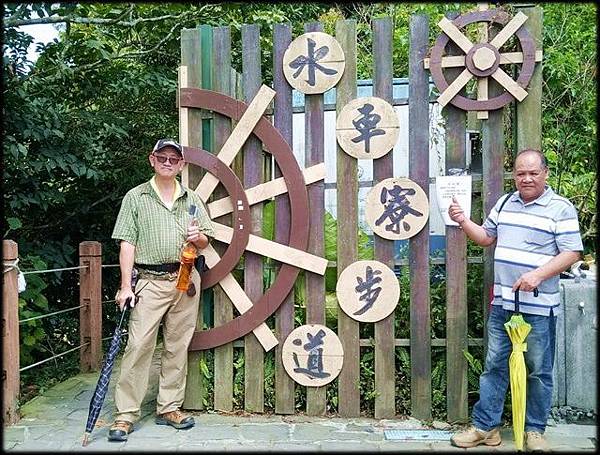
529	235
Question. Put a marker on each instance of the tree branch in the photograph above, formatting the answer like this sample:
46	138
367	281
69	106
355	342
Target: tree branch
591	231
89	20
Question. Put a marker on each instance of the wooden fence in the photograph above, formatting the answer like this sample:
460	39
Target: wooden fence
90	320
206	53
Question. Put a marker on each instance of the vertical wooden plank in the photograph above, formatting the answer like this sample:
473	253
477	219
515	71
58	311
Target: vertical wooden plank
223	308
383	168
418	146
282	119
492	151
253	265
191	135
456	270
190	58
11	376
529	111
90	314
314	134
206	62
347	228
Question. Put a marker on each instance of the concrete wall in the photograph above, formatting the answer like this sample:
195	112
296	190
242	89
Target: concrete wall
576	333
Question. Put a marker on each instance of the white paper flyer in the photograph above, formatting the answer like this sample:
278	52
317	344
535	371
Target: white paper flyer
458	186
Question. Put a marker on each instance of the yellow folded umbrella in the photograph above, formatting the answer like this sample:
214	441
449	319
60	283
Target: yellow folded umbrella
518	330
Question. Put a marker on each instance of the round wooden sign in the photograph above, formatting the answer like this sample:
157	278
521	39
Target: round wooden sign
396	208
368	291
313	63
312	355
367	128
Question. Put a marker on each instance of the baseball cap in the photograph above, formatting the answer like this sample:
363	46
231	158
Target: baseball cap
162	143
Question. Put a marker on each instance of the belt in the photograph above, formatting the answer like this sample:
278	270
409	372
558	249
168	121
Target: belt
160	268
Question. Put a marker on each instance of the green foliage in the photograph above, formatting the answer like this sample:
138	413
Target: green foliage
569	108
32	303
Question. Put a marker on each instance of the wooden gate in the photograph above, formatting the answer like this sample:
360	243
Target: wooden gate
206	59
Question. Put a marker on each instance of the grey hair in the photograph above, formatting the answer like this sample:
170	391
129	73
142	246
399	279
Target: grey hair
537	152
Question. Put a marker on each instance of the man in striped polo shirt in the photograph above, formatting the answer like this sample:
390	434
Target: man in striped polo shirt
537	237
154	221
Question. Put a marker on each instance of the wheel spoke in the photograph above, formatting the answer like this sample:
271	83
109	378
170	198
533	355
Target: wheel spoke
455	34
509	84
517	57
482	95
279	252
240	300
455	87
265	191
237	138
510	28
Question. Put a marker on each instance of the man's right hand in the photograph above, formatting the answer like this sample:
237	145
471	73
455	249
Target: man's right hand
456	212
122	297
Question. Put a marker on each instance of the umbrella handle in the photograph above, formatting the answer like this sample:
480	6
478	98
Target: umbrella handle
127	303
535	294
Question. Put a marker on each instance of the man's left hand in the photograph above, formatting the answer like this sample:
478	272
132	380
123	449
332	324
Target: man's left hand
527	282
193	233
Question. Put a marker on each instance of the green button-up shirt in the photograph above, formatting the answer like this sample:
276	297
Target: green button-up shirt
158	232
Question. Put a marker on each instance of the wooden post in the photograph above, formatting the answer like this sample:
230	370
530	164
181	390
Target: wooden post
456	270
492	151
254	369
529	111
90	314
418	146
383	168
347	228
314	153
10	335
190	134
223	307
282	119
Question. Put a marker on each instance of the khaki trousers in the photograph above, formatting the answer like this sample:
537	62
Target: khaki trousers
159	300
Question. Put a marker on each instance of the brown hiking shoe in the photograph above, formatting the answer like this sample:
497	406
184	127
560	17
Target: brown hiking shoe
176	419
474	436
535	442
119	430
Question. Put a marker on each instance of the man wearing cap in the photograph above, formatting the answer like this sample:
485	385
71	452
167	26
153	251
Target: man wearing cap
153	223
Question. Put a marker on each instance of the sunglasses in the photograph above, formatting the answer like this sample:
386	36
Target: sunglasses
163	159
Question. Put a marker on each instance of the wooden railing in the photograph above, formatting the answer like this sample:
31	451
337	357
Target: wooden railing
90	316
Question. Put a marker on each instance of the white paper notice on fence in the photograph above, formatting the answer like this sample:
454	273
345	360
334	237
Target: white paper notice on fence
458	186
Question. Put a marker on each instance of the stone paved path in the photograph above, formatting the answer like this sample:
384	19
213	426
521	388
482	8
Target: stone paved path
55	421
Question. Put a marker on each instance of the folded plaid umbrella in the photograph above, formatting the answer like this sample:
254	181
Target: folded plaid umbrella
105	373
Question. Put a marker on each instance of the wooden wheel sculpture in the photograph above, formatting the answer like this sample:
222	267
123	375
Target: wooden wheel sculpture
293	257
483	60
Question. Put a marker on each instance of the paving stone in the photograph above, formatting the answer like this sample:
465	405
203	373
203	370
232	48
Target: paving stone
362	428
294	447
348	446
399	446
230	446
15	433
264	432
312	432
358	435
